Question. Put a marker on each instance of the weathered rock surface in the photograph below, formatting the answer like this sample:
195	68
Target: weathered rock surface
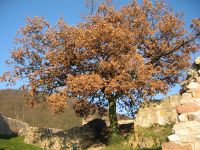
187	108
193	85
187	129
174	138
161	112
9	126
182	118
176	146
190	100
82	137
197	60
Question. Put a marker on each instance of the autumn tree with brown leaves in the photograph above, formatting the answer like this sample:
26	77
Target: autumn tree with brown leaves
114	57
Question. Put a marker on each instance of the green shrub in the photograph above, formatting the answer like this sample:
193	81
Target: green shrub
156	132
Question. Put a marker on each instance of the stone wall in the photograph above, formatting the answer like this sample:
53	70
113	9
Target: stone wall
155	112
160	112
82	137
9	126
153	122
55	139
187	129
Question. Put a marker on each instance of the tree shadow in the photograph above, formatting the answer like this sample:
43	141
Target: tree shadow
159	148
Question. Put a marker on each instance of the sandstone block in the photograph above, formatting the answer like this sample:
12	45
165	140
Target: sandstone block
186	95
197	116
197	145
197	138
187	138
176	146
191	117
182	118
174	138
187	129
198	78
190	100
187	108
197	60
199	72
193	85
196	93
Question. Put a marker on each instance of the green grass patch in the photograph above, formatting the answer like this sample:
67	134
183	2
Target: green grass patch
119	146
125	147
15	143
156	132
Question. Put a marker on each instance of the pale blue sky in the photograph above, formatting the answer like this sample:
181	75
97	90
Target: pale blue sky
14	12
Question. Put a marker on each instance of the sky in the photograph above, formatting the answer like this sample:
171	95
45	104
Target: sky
14	12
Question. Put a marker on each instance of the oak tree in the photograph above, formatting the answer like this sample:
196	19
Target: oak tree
114	57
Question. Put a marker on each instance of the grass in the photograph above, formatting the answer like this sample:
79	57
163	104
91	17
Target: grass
124	147
118	147
15	143
156	132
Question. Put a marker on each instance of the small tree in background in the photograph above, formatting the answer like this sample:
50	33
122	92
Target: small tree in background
114	57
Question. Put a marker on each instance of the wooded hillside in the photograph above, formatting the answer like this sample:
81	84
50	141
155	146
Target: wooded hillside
13	105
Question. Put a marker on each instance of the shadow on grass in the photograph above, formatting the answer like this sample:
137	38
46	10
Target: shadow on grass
7	137
159	148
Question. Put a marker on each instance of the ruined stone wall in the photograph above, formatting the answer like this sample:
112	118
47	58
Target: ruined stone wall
55	139
9	126
187	129
161	112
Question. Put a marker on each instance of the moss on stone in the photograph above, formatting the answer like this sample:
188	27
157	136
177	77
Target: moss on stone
151	137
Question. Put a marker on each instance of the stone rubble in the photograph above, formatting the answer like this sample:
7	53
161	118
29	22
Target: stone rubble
187	128
9	126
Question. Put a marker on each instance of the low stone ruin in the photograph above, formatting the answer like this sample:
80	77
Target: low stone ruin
9	126
48	138
153	122
158	112
187	128
82	137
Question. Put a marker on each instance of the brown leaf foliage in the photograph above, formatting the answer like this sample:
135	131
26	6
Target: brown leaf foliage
129	54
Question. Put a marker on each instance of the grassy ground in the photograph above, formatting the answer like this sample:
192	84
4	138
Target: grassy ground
118	147
15	143
124	147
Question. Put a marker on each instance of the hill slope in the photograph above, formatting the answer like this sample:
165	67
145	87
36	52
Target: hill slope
12	104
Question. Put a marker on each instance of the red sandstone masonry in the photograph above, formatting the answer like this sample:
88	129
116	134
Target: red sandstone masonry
198	79
176	146
186	108
196	93
187	95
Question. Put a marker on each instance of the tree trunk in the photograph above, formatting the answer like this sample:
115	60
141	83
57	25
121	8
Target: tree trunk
113	129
